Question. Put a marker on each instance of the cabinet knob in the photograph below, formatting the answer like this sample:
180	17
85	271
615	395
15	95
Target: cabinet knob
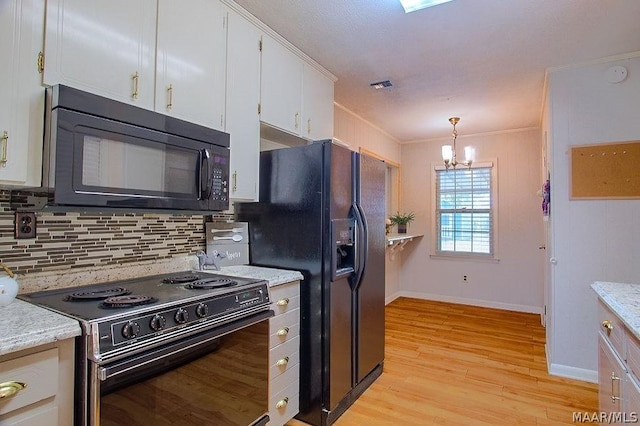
282	403
607	325
283	302
283	361
283	331
9	389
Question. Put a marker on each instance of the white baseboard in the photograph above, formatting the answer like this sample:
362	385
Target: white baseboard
585	375
391	298
465	301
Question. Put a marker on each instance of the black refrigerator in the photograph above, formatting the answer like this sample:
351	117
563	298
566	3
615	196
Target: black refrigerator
322	212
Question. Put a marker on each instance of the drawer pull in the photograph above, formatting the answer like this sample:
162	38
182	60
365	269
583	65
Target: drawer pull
613	379
283	302
283	331
607	325
282	361
282	403
9	389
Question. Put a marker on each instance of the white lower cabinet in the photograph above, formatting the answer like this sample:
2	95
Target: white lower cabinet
37	386
284	353
618	369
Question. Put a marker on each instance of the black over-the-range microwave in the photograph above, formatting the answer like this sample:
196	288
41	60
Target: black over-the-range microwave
100	153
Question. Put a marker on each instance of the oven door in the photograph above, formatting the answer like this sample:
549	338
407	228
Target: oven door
219	377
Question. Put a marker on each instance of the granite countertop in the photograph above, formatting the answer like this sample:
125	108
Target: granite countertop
624	300
274	276
24	326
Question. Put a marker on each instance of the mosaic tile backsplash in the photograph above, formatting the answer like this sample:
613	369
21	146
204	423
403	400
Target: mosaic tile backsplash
93	240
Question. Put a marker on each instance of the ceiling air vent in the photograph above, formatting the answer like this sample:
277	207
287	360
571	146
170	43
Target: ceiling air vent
381	84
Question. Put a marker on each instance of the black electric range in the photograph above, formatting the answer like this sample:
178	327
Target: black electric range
119	318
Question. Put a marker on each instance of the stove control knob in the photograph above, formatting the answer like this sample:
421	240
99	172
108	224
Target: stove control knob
202	310
157	322
130	330
181	316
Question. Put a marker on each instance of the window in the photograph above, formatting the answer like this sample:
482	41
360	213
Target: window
465	210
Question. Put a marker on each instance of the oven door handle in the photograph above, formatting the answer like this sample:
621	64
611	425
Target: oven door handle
182	346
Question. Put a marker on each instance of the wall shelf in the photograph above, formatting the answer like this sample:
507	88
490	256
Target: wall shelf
396	242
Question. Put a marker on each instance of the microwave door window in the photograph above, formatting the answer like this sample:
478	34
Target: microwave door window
111	166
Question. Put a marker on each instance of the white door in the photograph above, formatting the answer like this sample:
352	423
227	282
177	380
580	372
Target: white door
21	108
243	97
190	71
280	87
106	47
317	105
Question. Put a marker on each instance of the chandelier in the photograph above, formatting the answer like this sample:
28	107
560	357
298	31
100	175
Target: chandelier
449	151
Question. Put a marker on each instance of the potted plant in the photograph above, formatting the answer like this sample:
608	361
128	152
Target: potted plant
402	220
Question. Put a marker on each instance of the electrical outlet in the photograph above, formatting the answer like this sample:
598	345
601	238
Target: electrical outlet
465	278
25	225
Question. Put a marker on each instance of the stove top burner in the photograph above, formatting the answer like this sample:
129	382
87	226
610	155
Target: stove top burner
180	279
78	296
126	301
211	283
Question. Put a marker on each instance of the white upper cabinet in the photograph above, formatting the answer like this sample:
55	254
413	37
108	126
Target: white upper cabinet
317	105
22	101
104	47
191	55
281	86
295	96
243	96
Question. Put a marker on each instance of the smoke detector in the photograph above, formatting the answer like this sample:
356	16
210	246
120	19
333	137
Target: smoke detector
381	84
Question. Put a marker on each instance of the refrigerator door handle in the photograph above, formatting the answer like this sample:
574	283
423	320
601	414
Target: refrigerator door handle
361	246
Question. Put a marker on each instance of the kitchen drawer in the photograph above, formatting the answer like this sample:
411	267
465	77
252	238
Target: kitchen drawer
284	405
284	327
612	328
633	354
284	356
40	373
46	417
283	381
285	297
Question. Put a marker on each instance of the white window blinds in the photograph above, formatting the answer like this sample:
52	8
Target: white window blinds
464	210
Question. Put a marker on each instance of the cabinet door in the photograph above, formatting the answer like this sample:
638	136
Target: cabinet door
191	50
281	86
106	47
243	97
611	377
317	105
22	103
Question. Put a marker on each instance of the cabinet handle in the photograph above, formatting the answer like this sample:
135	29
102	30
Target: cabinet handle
283	302
40	62
297	115
170	93
282	403
613	379
283	361
607	325
283	331
5	143
9	389
309	126
234	185
136	78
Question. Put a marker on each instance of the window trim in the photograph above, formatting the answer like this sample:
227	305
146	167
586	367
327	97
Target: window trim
447	255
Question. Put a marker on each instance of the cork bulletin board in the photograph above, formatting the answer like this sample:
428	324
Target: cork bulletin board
606	171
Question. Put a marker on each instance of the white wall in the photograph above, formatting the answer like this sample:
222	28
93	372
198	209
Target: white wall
358	133
515	282
595	240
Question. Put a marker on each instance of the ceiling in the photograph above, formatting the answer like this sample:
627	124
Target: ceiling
484	61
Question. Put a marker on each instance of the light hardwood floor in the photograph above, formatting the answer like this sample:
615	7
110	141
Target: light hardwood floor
449	364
